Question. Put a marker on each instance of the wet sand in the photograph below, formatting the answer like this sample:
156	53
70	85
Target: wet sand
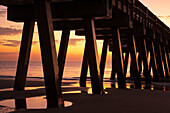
116	101
34	88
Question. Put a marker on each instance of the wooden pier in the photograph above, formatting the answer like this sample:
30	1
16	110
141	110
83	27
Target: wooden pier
126	26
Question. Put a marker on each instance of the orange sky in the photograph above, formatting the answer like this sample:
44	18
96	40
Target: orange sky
10	35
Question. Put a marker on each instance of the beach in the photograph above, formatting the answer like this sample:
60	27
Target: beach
114	100
84	56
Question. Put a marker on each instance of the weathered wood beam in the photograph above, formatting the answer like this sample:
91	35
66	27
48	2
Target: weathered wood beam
102	37
106	32
134	62
23	2
153	61
113	66
84	69
20	104
143	54
119	68
121	21
126	62
159	58
24	55
168	55
48	53
71	9
103	58
168	47
102	32
68	24
97	86
150	36
139	62
165	61
63	51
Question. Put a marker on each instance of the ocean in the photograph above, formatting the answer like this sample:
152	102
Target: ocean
35	70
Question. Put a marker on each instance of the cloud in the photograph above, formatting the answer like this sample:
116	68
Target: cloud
75	42
3	13
165	17
13	43
10	45
9	31
2	40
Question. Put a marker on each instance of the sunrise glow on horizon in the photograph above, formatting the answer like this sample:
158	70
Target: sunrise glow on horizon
11	33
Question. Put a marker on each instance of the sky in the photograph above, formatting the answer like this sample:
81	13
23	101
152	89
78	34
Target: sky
11	33
160	8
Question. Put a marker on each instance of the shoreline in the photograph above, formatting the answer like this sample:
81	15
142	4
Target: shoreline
121	98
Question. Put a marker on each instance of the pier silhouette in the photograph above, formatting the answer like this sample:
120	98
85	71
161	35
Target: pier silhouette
126	26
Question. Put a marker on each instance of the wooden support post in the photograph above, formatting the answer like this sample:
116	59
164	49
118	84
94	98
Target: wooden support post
48	53
97	86
119	68
145	62
165	60
131	66
134	65
20	104
168	57
153	62
63	51
103	58
113	67
140	62
143	54
151	66
159	58
24	55
126	62
84	69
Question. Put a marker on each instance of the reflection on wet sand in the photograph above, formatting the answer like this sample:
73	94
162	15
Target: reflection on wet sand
28	103
39	102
